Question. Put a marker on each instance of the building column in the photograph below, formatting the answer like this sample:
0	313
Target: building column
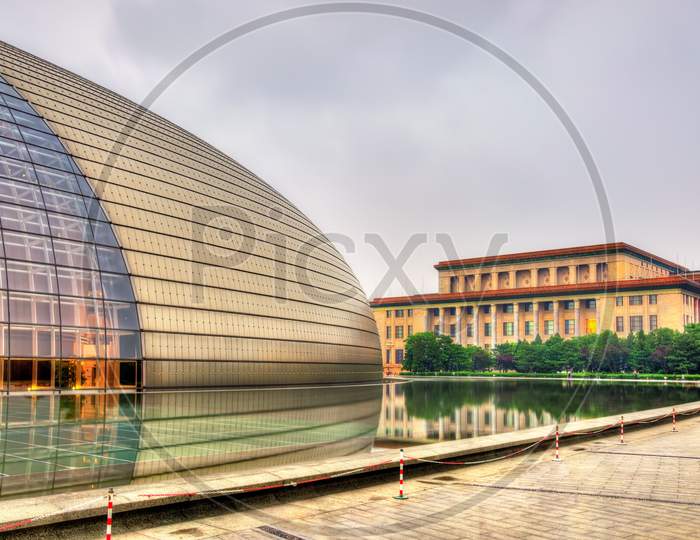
428	327
511	279
577	318
553	279
494	281
592	272
516	321
494	325
475	323
458	336
533	277
555	308
573	277
536	317
598	318
441	327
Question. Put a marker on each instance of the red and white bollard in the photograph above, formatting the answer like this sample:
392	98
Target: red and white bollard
401	495
674	420
556	445
622	430
110	497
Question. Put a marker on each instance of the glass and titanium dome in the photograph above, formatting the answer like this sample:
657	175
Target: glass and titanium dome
136	255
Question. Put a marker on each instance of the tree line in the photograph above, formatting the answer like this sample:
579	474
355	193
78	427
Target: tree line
661	351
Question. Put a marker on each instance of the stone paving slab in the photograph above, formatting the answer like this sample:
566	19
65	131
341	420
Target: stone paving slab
613	495
613	477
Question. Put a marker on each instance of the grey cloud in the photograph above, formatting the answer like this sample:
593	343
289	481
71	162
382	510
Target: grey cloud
371	124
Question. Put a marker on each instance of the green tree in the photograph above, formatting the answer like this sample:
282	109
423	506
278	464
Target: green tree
422	352
505	356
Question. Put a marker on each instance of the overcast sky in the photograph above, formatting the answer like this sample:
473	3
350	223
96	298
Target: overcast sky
377	125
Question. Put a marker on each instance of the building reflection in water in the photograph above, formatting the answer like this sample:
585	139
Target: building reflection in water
52	442
425	411
417	413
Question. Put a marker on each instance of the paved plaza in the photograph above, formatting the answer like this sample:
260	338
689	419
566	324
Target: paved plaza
647	488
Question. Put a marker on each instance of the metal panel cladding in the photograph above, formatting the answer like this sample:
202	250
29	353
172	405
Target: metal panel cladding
233	284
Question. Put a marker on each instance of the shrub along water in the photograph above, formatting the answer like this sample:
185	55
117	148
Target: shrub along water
662	351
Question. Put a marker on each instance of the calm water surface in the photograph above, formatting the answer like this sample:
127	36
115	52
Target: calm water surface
425	411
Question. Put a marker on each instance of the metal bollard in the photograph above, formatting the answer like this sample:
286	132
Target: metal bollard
622	430
401	495
556	445
110	497
674	420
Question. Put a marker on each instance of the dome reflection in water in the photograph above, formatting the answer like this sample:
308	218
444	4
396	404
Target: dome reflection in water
80	441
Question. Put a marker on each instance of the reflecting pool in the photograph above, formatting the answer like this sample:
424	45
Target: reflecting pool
425	411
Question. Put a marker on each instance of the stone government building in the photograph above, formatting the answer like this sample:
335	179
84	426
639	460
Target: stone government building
573	291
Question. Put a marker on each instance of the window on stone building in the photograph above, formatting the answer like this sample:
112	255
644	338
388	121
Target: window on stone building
652	299
409	312
620	301
453	330
507	328
436	329
398	356
619	324
548	328
569	327
487	329
398	332
636	323
507	308
568	304
653	323
398	313
529	327
470	330
388	356
388	332
410	330
636	300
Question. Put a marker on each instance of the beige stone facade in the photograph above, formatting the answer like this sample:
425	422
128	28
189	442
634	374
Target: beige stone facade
570	292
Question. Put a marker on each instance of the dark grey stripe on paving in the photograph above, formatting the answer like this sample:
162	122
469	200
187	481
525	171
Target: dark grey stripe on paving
580	493
643	454
279	533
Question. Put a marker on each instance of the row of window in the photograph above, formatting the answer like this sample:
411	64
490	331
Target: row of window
398	356
398	331
398	313
635	325
635	300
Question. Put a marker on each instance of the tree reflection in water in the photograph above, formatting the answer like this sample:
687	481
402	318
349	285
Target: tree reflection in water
429	410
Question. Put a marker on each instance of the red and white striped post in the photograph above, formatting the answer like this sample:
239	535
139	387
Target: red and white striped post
401	495
110	497
674	420
556	445
622	430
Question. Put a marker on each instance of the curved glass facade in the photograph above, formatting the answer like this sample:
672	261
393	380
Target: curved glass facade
233	284
67	307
